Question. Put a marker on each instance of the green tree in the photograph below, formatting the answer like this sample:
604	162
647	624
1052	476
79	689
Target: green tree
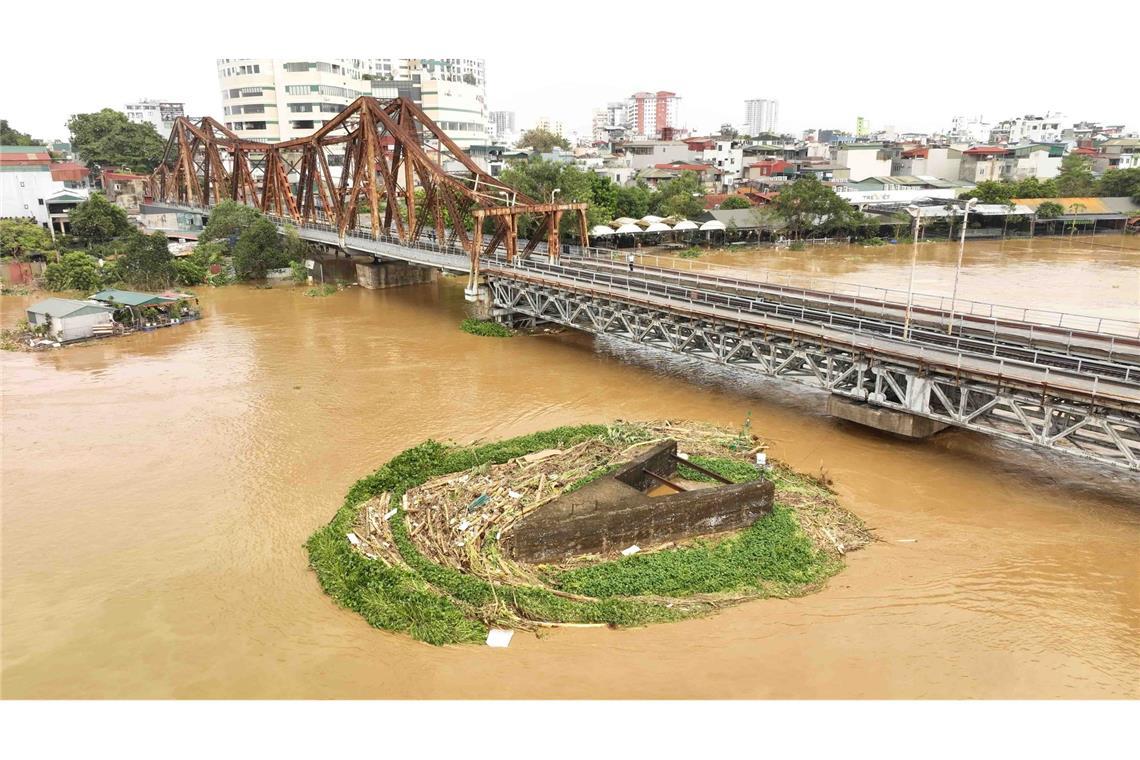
603	196
542	141
1032	187
97	220
681	198
735	202
539	179
989	191
147	262
229	219
9	136
808	205
1120	182
633	201
258	250
189	272
75	271
19	237
108	138
1050	210
1076	177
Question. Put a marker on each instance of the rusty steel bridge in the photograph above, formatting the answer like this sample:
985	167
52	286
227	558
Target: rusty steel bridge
382	179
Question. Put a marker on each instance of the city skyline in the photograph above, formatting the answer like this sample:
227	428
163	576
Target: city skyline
534	86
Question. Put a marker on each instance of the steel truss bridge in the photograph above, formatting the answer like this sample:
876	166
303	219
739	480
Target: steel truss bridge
1059	381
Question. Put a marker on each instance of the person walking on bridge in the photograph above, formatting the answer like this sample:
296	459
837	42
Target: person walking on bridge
631	262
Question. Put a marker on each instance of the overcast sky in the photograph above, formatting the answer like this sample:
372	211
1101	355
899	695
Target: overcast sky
913	66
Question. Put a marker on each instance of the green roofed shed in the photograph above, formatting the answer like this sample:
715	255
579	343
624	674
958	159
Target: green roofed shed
131	298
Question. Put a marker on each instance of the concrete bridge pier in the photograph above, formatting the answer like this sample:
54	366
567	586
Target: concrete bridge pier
392	274
881	418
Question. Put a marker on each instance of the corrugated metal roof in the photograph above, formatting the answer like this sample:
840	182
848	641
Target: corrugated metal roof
57	308
130	297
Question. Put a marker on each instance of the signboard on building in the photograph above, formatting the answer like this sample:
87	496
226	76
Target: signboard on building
168	112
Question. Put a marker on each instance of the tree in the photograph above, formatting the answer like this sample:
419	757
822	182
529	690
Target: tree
990	191
23	236
75	271
1120	182
147	262
1050	210
728	131
735	202
681	198
108	138
1076	177
542	141
1032	187
228	220
258	250
97	220
538	179
633	201
189	272
808	205
9	136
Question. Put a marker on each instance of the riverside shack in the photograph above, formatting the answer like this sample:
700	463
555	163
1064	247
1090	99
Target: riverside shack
67	319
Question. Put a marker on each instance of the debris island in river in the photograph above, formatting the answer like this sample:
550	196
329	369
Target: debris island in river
621	525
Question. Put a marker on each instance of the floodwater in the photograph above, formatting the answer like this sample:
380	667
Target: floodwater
157	490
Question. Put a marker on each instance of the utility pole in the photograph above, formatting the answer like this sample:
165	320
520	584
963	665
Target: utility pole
958	269
914	210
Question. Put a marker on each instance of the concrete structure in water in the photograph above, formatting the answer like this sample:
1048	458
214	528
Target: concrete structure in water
881	418
614	512
392	274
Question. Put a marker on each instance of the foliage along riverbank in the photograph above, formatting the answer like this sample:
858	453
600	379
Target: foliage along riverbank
400	588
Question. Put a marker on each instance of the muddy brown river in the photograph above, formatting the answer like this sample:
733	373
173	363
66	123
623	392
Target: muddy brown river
157	490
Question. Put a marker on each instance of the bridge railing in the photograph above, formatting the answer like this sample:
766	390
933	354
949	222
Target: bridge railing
933	340
870	293
718	274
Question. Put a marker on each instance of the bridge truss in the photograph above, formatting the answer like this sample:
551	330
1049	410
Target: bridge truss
1103	427
387	160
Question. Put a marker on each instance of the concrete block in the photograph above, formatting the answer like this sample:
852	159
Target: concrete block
392	274
882	418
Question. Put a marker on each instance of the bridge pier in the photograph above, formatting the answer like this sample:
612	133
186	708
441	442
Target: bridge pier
392	274
882	418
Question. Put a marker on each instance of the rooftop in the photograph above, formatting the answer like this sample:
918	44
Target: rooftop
130	298
58	308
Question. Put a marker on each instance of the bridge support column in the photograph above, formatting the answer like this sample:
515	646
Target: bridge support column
882	418
392	274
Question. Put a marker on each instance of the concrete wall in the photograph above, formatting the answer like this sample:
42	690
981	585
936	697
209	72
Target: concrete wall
609	515
392	274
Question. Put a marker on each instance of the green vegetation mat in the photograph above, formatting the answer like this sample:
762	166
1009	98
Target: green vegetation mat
440	604
484	329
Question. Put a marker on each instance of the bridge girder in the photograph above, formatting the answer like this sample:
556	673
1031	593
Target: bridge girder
389	160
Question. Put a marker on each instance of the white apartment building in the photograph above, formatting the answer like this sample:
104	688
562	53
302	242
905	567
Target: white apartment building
944	163
650	114
160	114
550	125
969	130
503	125
281	99
761	116
863	160
269	99
1049	128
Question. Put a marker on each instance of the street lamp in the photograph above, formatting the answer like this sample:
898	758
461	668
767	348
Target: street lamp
958	269
554	192
916	212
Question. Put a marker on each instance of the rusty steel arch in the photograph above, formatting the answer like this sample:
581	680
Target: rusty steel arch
389	160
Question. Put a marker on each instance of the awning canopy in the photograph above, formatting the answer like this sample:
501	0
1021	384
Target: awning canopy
601	230
624	220
658	227
650	219
628	229
685	224
712	224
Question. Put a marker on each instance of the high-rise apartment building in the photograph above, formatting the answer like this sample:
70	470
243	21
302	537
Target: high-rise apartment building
652	115
761	116
503	122
280	99
161	114
271	99
552	126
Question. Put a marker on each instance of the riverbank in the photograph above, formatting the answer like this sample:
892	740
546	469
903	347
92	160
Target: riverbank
389	554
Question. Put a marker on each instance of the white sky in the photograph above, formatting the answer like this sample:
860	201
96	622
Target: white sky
910	65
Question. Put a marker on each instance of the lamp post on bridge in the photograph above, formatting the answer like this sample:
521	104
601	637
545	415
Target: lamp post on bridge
915	211
958	269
